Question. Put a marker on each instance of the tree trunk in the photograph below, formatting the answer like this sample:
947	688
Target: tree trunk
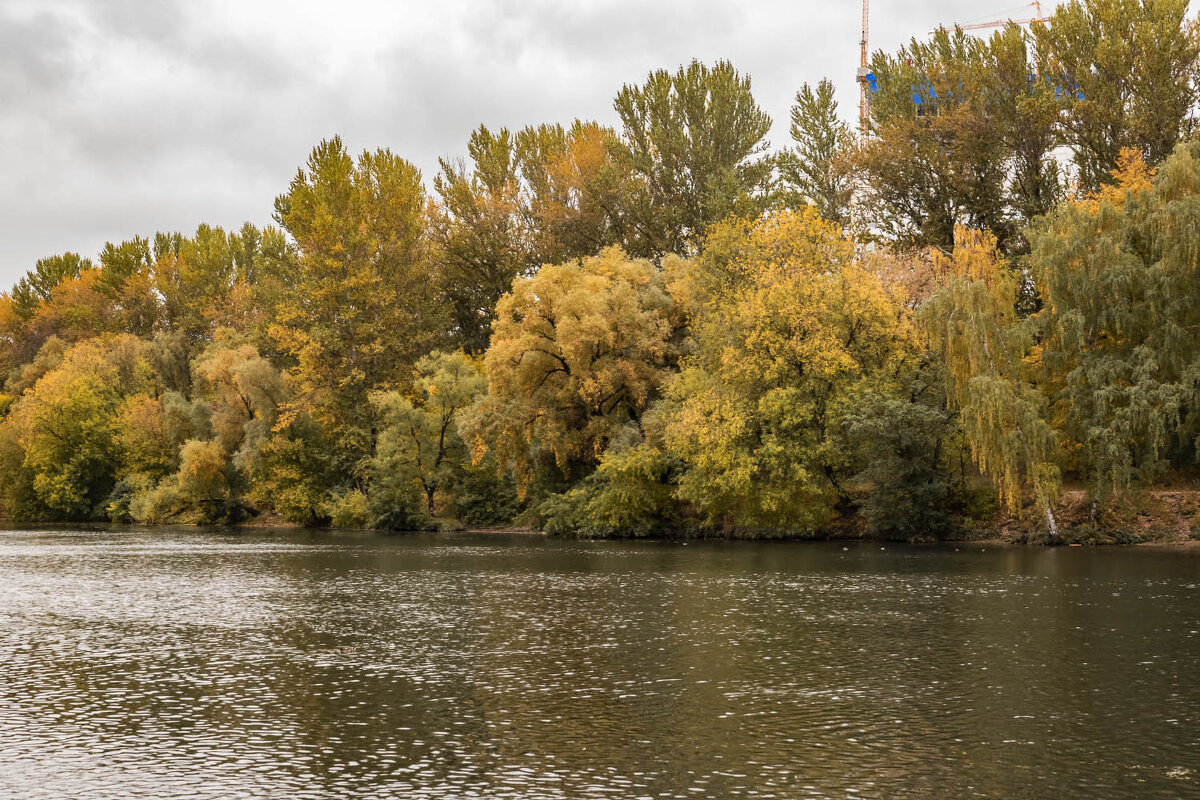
1052	525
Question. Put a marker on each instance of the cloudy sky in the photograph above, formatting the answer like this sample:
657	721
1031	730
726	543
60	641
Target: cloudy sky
124	117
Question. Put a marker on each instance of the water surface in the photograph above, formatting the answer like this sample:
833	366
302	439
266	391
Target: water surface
186	664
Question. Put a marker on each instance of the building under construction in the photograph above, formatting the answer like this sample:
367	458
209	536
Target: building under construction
867	84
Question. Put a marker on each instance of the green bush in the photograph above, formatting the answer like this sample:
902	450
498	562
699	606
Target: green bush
349	510
631	493
483	496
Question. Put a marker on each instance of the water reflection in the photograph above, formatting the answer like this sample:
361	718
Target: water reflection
192	665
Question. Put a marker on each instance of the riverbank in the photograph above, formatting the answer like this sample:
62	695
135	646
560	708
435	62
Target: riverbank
1151	516
1168	516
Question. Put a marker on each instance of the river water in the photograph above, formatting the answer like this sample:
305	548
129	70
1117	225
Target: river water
188	664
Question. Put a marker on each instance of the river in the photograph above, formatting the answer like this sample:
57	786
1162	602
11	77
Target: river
192	664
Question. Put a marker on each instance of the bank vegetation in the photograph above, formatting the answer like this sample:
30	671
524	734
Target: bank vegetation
668	328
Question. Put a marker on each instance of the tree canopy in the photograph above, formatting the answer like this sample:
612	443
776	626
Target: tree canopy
664	326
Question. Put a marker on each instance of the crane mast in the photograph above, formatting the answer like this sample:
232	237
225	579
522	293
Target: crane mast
864	100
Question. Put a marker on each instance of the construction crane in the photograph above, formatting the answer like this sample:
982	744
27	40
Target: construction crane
999	23
864	77
1036	5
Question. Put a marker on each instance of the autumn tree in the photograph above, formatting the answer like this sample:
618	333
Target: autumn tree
244	391
151	428
1124	73
127	279
419	444
936	159
481	236
787	326
1121	362
542	195
37	284
60	451
363	308
576	192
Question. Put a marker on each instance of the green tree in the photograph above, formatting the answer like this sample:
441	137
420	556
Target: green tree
900	444
695	142
297	473
1025	116
630	494
817	170
1125	74
419	442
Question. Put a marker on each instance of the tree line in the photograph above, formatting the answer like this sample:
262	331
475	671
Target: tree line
664	326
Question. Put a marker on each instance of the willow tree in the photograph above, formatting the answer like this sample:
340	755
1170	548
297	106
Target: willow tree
578	353
1119	271
973	326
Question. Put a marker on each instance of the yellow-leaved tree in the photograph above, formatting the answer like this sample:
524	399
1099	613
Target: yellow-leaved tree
578	352
789	327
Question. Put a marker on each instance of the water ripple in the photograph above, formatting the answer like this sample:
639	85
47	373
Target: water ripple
186	665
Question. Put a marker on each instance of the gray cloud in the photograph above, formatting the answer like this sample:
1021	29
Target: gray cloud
35	55
121	117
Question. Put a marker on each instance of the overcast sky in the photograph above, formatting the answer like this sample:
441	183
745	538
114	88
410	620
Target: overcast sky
125	117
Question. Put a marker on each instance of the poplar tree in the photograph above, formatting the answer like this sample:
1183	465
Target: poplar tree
481	238
817	170
543	195
936	160
1124	72
579	352
695	142
363	308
